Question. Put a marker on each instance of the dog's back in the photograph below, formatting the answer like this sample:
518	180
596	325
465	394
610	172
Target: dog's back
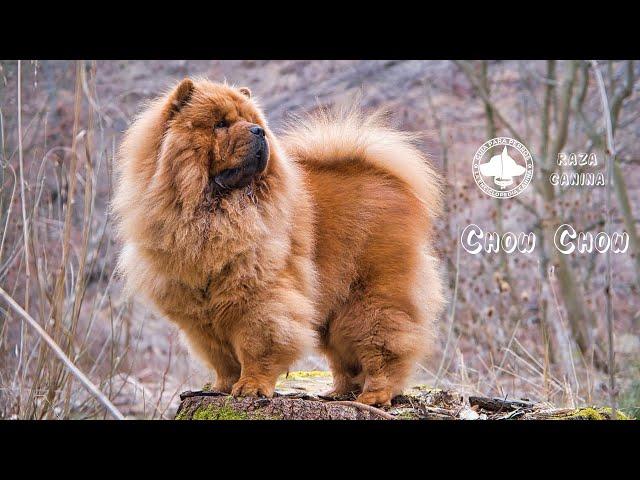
376	198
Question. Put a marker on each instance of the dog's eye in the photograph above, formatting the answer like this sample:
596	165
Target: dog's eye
222	124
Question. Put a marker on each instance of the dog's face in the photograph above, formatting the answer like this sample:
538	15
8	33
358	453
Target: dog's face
199	165
215	142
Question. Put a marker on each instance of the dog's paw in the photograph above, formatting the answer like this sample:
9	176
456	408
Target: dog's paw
376	397
250	387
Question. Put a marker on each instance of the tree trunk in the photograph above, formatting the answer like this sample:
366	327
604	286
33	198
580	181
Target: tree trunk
298	398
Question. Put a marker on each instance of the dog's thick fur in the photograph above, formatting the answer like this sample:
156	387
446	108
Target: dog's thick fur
328	245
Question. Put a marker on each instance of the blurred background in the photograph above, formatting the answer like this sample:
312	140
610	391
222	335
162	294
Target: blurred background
517	326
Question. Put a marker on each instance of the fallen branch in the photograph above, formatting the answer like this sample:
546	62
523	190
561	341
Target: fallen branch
499	404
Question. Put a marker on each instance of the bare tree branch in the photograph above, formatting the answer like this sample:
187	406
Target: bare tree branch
476	83
546	106
564	110
579	316
610	153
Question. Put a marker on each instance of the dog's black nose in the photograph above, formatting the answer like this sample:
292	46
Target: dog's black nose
257	130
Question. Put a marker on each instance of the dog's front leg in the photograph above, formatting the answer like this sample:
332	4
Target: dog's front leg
266	348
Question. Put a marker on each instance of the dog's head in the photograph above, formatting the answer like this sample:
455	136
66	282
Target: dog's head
194	157
216	133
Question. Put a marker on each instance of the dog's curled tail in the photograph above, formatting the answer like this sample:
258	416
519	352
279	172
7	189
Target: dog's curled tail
348	135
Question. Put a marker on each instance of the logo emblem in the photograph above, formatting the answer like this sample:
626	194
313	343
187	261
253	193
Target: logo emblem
502	167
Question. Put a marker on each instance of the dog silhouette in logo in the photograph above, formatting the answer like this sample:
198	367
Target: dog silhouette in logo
502	168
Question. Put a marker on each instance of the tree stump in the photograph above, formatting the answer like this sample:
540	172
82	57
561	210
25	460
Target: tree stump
299	397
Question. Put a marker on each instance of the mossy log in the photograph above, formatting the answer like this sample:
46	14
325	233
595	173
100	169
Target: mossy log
299	397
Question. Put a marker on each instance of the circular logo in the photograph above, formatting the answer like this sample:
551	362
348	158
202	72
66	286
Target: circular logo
502	167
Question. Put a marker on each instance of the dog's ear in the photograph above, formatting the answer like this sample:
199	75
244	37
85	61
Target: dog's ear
245	91
180	97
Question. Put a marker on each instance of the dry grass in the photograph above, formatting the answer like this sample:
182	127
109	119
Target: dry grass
56	261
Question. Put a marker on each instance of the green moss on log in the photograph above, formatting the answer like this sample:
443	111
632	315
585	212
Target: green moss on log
210	411
213	411
593	413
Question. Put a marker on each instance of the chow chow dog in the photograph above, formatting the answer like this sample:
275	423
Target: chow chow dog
260	247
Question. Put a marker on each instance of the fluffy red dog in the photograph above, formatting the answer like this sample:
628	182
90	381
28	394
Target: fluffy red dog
261	247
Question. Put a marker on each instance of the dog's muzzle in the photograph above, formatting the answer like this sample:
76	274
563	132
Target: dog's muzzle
253	165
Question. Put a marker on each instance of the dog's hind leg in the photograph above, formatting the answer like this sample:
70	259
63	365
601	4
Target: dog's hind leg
372	345
387	352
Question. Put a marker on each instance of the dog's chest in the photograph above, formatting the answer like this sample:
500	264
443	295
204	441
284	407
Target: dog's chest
219	293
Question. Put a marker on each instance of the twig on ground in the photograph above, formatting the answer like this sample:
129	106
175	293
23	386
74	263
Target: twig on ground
362	406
